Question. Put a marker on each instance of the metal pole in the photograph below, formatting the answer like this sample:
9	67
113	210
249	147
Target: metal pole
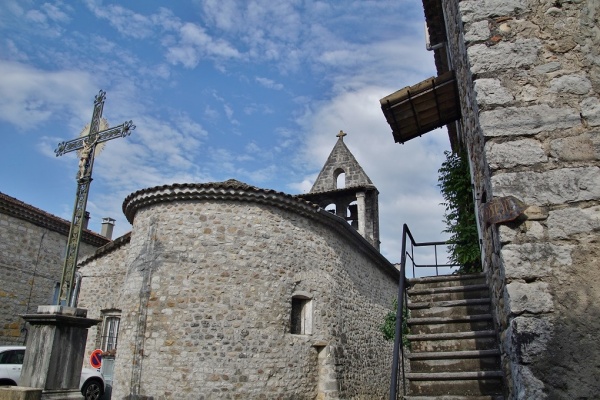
398	332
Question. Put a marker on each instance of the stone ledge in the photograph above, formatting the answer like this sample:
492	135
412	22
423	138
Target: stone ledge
62	310
62	394
20	393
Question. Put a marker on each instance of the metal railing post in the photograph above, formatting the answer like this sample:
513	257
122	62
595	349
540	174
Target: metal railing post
398	331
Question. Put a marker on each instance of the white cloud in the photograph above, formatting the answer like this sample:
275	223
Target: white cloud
55	13
184	55
406	175
31	96
36	16
127	22
159	77
194	44
269	83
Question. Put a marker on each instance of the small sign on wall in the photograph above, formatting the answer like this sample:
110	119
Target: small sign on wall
502	209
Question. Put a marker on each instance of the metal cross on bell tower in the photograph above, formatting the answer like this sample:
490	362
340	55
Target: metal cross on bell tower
87	145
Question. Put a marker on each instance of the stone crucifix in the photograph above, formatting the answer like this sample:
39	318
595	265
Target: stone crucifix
87	144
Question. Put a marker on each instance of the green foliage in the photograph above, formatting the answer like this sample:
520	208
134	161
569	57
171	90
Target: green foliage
455	185
389	325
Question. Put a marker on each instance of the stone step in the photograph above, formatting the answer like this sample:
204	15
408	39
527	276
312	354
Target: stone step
453	354
451	308
455	383
453	341
454	376
461	323
449	293
455	361
446	281
455	397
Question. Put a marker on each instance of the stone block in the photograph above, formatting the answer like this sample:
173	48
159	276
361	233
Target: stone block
20	393
55	348
534	260
528	231
532	298
505	55
529	337
576	148
490	92
571	221
526	385
590	110
557	186
514	153
477	31
515	121
572	84
548	67
482	9
536	213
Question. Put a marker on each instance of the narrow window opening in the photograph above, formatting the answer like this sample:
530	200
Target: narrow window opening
331	208
352	214
339	175
341	181
110	331
301	318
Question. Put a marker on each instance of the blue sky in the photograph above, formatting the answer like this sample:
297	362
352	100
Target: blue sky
252	90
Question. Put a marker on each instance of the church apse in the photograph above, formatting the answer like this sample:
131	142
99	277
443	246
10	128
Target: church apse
232	291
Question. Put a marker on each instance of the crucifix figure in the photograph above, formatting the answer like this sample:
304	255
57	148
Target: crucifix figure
87	144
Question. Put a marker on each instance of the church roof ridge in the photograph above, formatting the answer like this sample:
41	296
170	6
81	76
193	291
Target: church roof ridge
234	190
230	189
19	209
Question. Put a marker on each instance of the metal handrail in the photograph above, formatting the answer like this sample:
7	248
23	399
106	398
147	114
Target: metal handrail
402	295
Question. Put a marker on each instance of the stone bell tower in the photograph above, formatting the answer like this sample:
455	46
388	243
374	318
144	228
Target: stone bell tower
344	189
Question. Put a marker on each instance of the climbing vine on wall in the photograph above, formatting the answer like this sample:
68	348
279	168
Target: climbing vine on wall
389	325
455	184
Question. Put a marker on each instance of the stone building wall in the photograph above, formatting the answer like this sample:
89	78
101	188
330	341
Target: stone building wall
102	280
528	74
31	262
207	297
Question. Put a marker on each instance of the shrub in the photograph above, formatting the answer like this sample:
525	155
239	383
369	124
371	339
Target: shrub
455	184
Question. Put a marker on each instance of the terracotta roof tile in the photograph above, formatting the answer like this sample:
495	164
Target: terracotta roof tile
18	209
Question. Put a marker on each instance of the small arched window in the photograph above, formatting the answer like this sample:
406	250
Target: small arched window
340	178
352	214
332	208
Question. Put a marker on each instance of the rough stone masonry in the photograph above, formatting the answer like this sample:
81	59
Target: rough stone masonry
529	81
206	285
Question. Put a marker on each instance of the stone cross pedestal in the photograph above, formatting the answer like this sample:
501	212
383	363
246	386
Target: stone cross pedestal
55	350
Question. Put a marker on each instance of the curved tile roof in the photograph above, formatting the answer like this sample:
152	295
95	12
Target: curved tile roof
18	209
228	190
233	190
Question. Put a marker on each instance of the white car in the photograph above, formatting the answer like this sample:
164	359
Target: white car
91	383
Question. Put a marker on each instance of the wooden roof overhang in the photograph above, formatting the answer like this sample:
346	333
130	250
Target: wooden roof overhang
421	108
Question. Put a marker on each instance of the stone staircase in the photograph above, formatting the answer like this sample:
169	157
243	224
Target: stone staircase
454	352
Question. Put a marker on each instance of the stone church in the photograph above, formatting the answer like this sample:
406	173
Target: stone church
222	289
231	291
225	290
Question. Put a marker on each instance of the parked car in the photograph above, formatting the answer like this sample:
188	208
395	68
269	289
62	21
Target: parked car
91	383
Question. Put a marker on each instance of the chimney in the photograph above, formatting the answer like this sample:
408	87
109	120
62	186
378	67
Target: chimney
86	220
107	227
